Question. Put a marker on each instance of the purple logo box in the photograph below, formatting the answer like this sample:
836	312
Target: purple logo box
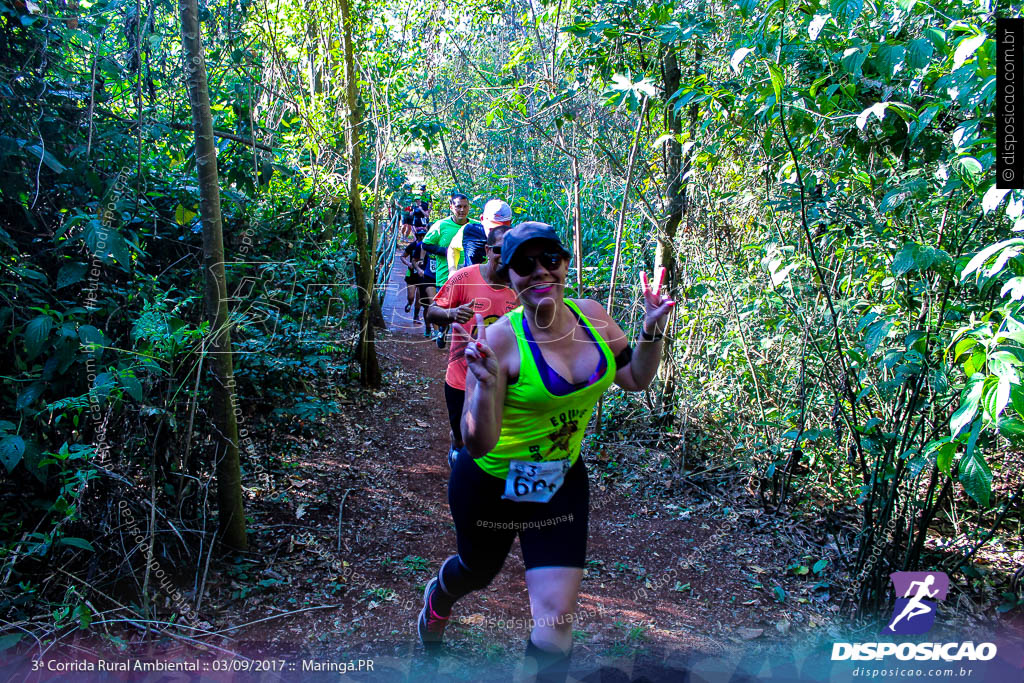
916	596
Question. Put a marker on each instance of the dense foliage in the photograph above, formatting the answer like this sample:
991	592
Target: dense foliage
818	176
104	394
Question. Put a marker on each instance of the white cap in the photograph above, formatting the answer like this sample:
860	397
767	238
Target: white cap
498	211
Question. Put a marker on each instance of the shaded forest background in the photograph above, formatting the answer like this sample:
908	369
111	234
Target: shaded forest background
818	177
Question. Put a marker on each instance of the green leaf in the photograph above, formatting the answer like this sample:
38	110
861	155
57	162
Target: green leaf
990	202
84	615
29	396
919	53
12	448
183	216
924	118
853	60
889	59
985	254
1012	428
132	386
876	333
70	273
77	543
780	595
1017	399
969	166
937	37
969	400
90	335
966	49
846	11
1003	364
990	396
32	458
974	363
36	332
777	81
47	158
878	109
819	566
905	259
974	473
944	456
1002	397
103	384
747	7
816	25
105	242
738	56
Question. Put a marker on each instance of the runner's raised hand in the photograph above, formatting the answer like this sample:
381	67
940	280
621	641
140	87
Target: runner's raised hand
656	307
480	357
464	312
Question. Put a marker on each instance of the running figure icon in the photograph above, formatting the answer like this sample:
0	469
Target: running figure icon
917	593
915	608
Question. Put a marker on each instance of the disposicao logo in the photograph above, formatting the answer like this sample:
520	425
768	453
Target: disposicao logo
914	613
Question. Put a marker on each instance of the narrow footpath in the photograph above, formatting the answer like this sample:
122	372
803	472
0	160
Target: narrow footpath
360	522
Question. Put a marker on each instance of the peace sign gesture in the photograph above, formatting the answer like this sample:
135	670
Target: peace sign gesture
480	358
656	307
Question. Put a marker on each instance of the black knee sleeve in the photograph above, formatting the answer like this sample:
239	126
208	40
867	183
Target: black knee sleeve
457	579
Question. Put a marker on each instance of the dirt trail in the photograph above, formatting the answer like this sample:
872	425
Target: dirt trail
667	579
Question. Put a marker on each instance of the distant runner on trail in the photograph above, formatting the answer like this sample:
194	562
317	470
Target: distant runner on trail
413	258
421	277
476	289
439	237
467	247
407	229
534	378
419	219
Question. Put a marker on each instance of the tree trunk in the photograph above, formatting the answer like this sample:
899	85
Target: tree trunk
619	227
366	352
675	203
229	481
620	224
577	225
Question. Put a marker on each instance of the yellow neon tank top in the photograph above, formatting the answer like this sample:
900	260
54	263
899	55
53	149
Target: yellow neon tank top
538	425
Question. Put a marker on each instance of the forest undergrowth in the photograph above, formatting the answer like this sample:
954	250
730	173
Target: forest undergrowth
199	208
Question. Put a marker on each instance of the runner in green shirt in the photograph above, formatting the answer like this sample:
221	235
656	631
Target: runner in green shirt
441	233
437	240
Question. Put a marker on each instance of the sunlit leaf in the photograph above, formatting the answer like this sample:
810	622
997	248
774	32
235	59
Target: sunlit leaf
777	80
966	49
970	399
816	25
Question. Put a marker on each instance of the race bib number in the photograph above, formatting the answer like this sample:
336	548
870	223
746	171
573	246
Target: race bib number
534	482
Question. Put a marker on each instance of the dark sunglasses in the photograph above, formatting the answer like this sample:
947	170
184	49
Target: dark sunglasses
523	265
496	248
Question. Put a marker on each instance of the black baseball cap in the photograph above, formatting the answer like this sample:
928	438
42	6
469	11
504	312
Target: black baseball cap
527	232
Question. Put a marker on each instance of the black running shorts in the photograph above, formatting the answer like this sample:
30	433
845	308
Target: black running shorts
552	534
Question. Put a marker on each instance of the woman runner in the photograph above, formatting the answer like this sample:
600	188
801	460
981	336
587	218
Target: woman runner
534	378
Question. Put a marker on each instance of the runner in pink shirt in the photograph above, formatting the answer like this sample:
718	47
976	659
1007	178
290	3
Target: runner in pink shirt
469	291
